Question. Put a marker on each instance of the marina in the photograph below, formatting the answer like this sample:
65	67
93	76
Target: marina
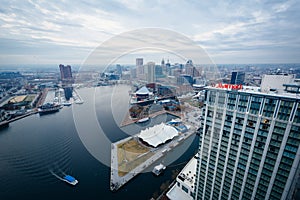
128	120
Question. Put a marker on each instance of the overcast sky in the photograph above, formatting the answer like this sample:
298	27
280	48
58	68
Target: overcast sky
42	32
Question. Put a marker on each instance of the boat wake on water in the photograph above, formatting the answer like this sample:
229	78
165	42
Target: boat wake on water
64	177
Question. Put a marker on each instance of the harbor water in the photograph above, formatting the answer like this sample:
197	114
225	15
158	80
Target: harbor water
34	146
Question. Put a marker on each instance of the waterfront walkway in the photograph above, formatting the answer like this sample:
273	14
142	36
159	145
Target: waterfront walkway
6	122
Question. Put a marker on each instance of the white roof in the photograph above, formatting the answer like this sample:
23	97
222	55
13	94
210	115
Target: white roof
188	172
143	91
176	120
158	134
176	193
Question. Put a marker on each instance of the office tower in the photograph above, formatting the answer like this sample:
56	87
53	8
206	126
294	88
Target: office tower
163	65
133	73
139	68
185	79
190	69
65	72
150	72
249	146
68	91
119	69
158	71
237	78
139	61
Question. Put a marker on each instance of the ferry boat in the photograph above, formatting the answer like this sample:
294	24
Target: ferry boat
157	170
70	179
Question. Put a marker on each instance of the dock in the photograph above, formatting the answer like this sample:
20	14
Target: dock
128	120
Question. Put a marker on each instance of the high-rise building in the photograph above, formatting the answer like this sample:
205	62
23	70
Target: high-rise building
119	69
249	147
185	79
140	68
150	72
163	65
133	73
159	71
163	62
139	62
65	72
168	67
237	78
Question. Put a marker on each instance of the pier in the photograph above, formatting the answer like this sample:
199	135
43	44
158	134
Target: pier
77	98
117	181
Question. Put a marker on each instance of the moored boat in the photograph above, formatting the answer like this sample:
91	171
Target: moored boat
49	108
143	120
157	170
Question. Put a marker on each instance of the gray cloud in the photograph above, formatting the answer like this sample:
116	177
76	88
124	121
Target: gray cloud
265	30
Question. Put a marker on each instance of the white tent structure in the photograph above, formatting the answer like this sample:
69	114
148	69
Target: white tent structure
143	91
158	134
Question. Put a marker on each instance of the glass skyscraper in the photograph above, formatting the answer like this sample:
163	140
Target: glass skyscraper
249	146
237	78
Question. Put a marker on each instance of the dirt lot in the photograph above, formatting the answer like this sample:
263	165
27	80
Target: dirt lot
130	155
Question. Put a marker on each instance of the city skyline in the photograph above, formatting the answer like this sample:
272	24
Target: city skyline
230	32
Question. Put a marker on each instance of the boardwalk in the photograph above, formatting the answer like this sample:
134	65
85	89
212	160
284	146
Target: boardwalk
6	122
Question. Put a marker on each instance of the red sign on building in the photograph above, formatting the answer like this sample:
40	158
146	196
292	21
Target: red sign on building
229	86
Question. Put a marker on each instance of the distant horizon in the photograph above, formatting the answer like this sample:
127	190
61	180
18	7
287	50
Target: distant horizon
133	64
78	67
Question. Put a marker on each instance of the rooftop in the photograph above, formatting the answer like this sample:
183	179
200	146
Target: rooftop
188	173
143	91
254	90
176	193
186	176
158	134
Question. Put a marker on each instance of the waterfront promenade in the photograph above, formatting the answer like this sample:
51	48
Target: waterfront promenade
6	122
